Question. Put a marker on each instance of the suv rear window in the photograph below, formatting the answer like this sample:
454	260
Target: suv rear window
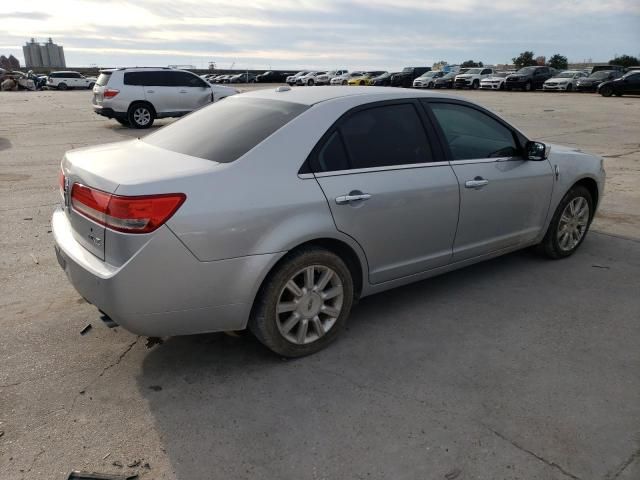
103	79
226	130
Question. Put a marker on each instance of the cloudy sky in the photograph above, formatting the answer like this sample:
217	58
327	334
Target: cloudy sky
316	34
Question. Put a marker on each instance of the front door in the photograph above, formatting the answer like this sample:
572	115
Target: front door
191	91
504	198
389	188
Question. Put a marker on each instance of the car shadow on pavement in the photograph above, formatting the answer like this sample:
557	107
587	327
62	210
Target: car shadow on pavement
409	387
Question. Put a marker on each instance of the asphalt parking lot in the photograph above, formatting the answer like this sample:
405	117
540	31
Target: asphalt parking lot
516	368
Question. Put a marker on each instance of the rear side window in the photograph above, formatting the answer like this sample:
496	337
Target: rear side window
472	134
225	130
385	136
184	79
103	79
148	79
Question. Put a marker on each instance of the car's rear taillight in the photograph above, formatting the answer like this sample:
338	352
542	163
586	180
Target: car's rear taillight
140	214
110	92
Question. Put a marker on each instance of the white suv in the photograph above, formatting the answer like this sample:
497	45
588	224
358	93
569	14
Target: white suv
137	96
66	80
472	77
325	78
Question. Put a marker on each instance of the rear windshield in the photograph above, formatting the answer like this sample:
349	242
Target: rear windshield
103	78
226	130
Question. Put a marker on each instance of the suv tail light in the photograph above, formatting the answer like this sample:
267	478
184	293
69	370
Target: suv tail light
110	92
140	214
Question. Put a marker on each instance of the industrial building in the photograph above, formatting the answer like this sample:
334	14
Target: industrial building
43	54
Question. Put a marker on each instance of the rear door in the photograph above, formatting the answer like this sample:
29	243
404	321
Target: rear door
389	188
192	91
504	198
158	88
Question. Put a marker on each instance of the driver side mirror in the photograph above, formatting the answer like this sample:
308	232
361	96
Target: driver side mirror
537	151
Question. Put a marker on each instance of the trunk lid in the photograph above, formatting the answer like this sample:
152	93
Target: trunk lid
124	168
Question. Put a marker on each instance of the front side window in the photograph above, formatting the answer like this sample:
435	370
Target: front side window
382	136
184	79
224	131
472	134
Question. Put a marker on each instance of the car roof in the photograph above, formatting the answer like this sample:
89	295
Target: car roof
311	96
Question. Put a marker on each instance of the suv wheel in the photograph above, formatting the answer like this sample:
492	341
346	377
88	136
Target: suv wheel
62	86
140	115
310	82
304	303
344	82
475	85
606	91
528	86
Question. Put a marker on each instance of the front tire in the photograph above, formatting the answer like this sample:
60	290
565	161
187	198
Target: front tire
62	86
140	115
569	88
606	91
569	225
528	87
475	85
310	83
304	303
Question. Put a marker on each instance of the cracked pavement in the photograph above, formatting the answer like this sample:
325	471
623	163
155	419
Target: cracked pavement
517	368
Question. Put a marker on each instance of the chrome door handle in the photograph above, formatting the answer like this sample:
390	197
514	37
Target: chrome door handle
150	91
342	199
476	183
182	91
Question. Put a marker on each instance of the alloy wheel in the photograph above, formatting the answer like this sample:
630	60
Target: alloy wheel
309	304
142	116
573	223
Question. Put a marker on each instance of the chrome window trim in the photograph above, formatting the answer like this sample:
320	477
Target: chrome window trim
381	169
484	160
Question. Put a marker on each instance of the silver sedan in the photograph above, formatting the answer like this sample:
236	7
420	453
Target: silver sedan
276	210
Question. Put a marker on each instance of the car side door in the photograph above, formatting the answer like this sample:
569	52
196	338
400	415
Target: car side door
631	84
192	91
389	187
158	90
504	198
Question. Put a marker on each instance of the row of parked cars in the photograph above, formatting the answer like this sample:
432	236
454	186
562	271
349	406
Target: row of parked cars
486	78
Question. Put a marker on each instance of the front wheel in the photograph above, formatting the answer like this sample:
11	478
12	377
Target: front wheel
303	304
528	87
569	224
310	83
62	86
344	82
606	91
475	85
569	87
90	87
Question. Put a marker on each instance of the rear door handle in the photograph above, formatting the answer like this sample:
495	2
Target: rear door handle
150	91
342	199
182	91
477	183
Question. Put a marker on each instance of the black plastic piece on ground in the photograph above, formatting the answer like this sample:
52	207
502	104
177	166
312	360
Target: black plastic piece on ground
76	475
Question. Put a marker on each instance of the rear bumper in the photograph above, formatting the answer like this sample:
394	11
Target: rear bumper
163	289
109	112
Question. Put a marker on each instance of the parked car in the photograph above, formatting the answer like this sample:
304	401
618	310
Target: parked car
383	80
566	80
69	80
447	80
472	77
137	96
325	78
406	77
243	78
597	68
629	83
309	79
365	79
593	81
344	79
291	80
178	233
223	78
529	78
427	80
272	77
494	82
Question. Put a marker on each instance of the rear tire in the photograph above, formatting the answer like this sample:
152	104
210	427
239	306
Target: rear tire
475	85
62	86
293	314
140	115
310	83
527	87
569	225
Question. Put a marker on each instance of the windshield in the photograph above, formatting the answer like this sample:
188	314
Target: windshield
450	75
526	70
384	75
473	71
407	70
566	75
225	130
600	75
428	74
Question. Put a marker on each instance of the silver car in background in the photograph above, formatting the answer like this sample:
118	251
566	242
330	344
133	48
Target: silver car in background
301	201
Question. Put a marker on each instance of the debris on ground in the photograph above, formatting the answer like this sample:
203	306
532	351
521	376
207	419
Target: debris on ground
155	388
604	267
106	456
455	473
76	475
34	258
27	218
86	329
153	341
116	463
134	464
1	433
